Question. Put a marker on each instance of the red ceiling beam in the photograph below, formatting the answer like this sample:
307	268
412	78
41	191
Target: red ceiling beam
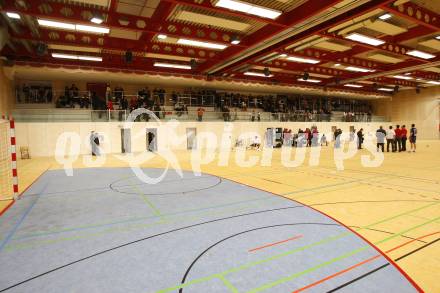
412	33
292	18
206	5
339	57
360	10
109	61
415	13
395	49
131	22
334	73
95	41
289	80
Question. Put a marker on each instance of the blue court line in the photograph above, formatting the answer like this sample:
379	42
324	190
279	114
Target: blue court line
21	220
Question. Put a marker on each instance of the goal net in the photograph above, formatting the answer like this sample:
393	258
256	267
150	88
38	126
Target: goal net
6	175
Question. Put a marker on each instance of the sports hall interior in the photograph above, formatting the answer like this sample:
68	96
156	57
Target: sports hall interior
232	70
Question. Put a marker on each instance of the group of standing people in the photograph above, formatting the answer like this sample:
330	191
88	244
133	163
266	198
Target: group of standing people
396	138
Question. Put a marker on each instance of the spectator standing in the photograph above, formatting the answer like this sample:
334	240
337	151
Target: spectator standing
404	134
253	116
398	132
110	105
200	112
360	136
108	92
380	135
338	134
324	140
413	137
258	116
391	135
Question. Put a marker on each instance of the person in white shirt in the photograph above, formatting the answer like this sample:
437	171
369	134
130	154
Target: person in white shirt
256	142
391	135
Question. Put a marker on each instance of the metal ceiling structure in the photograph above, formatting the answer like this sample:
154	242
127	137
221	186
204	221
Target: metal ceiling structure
353	45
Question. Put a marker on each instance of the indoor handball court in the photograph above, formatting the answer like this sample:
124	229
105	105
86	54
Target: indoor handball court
219	146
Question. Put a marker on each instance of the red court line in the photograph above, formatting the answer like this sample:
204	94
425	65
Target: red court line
410	241
21	193
7	207
275	243
417	287
360	264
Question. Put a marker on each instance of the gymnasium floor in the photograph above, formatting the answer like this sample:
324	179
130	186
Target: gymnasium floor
95	230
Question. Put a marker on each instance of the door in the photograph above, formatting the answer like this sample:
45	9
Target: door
269	137
191	138
125	140
151	139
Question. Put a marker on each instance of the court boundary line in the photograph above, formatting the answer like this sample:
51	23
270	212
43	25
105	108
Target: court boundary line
383	266
417	287
3	211
137	241
352	267
279	195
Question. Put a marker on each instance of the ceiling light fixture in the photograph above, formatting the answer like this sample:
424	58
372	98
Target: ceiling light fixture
92	29
364	39
283	55
385	89
310	80
97	18
76	57
170	65
353	85
13	15
56	24
385	16
434	82
201	44
73	27
162	36
64	56
437	37
303	60
420	54
358	69
337	65
89	58
403	77
249	8
257	74
235	40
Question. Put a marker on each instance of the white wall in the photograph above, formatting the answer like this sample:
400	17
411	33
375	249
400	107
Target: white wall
41	138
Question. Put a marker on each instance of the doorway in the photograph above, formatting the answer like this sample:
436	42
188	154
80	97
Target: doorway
125	140
270	137
151	139
191	138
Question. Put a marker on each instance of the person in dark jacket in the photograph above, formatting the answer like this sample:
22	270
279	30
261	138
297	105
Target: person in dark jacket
360	136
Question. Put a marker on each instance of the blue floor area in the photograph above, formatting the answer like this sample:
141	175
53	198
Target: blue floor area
103	230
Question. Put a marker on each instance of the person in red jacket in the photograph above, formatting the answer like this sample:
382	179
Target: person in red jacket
398	139
404	135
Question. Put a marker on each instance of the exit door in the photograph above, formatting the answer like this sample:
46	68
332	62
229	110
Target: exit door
191	138
270	137
151	139
125	140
